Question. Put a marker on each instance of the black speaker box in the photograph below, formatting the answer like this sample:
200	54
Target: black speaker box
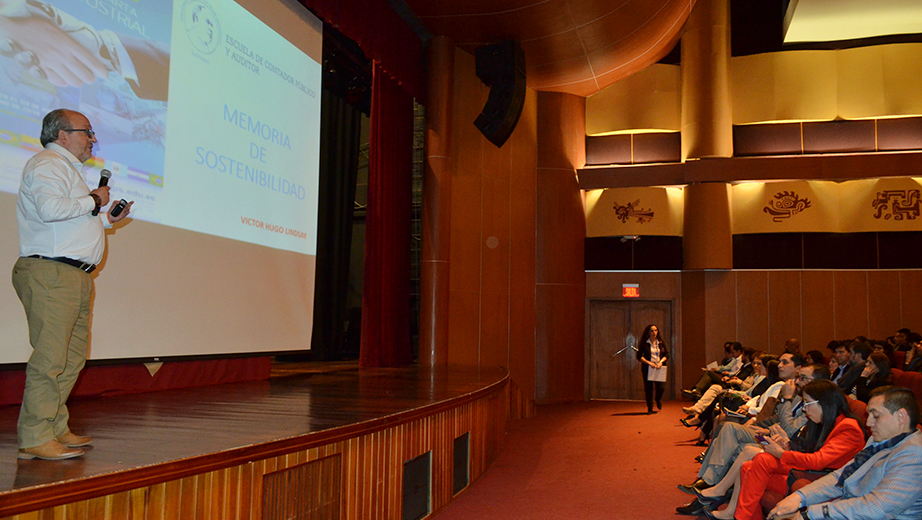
502	68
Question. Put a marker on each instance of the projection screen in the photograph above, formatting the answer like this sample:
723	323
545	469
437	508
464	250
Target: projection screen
209	119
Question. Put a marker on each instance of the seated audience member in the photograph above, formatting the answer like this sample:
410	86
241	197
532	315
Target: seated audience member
789	366
814	357
740	403
833	366
762	378
792	346
913	361
841	354
728	354
882	481
790	393
885	348
720	374
832	345
876	373
901	340
831	438
742	381
858	357
732	437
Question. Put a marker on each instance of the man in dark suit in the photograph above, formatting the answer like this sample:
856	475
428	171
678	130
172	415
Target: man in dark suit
841	354
901	340
860	350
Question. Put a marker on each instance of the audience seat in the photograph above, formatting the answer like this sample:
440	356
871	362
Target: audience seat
771	497
860	411
898	360
910	380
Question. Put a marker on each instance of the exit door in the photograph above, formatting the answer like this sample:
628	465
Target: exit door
615	327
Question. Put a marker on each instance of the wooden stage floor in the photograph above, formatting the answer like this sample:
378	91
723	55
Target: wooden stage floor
137	434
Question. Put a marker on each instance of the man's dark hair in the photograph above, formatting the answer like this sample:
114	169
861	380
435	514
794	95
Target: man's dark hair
860	347
896	397
905	331
797	359
749	353
914	337
736	346
832	345
820	372
815	356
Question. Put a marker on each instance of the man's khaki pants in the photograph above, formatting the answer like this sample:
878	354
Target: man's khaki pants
56	298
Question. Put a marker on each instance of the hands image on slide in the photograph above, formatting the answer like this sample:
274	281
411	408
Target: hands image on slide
51	44
43	48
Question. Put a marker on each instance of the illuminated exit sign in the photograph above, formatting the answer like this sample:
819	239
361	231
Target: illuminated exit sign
630	290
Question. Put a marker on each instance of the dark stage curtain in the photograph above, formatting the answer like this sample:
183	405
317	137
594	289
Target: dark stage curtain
386	294
339	146
382	35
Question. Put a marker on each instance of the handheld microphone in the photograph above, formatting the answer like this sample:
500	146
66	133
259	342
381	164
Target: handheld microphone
103	181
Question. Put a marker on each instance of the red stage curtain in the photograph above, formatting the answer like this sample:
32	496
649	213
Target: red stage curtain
386	295
383	36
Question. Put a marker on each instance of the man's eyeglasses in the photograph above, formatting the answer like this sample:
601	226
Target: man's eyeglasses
805	378
88	131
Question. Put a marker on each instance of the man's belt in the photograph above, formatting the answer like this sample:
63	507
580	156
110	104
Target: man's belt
69	261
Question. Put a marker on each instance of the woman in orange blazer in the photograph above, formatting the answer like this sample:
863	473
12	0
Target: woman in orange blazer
830	439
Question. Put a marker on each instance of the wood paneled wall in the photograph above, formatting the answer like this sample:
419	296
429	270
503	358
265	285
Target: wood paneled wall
762	309
516	259
372	471
815	306
517	231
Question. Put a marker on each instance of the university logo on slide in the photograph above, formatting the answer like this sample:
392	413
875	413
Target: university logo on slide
202	26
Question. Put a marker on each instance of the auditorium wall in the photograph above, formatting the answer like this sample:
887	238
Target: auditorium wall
511	303
763	308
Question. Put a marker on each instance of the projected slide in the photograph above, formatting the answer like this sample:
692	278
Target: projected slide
229	149
207	113
239	167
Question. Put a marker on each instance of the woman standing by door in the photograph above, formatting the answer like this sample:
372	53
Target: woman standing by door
652	354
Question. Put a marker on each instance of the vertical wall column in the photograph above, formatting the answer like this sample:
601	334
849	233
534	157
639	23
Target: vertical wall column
707	131
560	275
436	223
707	112
707	244
707	239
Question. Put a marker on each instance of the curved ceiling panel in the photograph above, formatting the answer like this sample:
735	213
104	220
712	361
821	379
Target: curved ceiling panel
573	46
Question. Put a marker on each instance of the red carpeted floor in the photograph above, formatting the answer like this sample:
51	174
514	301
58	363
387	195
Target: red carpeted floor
592	460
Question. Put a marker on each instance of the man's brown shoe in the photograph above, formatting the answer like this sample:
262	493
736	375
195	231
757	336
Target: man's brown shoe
71	440
51	450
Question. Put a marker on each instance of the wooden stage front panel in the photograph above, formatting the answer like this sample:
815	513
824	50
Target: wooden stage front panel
331	444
